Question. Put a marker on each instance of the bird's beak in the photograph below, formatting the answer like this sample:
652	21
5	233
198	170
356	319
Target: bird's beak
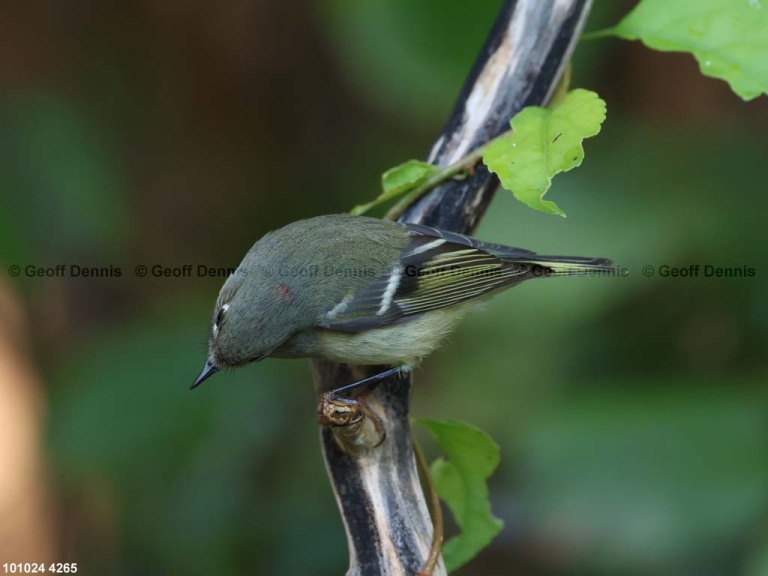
208	370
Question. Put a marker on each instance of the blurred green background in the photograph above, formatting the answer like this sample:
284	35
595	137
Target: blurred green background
632	413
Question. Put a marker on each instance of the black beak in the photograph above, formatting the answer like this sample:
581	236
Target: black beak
208	370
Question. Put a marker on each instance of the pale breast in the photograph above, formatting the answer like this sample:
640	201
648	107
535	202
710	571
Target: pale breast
404	343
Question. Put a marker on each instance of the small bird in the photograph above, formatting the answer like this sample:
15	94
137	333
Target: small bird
361	290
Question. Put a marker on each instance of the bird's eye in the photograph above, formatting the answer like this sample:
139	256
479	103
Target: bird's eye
219	317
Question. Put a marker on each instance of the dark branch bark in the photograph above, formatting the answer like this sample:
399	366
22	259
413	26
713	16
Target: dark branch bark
374	473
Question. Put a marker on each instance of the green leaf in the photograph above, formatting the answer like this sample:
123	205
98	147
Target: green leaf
399	180
460	481
729	38
543	143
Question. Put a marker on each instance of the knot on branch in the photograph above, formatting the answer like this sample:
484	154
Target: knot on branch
355	426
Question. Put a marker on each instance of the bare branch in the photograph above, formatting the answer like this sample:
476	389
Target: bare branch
372	467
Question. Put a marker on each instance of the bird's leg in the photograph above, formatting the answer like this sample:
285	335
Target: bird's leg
353	422
340	392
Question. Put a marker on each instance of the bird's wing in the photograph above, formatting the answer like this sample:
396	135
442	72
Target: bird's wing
436	269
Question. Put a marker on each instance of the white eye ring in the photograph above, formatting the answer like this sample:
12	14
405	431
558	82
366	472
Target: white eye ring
219	317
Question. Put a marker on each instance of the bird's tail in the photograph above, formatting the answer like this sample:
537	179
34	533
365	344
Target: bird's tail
568	265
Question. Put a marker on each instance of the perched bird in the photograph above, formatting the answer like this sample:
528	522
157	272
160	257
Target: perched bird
362	290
